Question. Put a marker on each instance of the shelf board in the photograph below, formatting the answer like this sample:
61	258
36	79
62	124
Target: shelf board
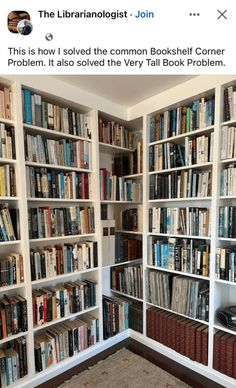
228	197
133	176
9	198
229	122
7	121
66	200
178	272
180	199
112	149
13	337
70	237
231	160
118	202
126	295
8	161
57	167
183	135
14	242
124	263
56	321
180	236
12	287
227	239
199	166
218	326
227	282
175	312
63	276
52	133
128	231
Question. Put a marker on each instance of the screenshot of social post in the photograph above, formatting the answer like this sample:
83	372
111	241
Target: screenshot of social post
118	194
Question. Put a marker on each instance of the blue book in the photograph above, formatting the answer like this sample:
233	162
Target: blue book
61	177
27	106
165	255
151	158
195	115
162	127
152	129
158	254
173	116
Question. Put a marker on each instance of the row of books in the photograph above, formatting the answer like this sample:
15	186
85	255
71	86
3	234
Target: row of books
128	280
198	151
11	269
227	221
9	223
129	164
47	183
186	221
225	268
7	181
178	293
60	301
184	119
181	184
110	132
127	248
224	353
47	222
130	219
65	340
229	103
227	180
13	362
62	259
44	114
13	315
136	316
62	152
6	103
228	142
183	255
115	316
7	142
114	188
183	335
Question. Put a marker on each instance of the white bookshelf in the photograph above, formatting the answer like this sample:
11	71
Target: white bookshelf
221	292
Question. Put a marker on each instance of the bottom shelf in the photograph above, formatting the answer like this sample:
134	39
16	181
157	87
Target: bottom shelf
187	337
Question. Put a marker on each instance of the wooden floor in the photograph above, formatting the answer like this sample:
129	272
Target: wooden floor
188	376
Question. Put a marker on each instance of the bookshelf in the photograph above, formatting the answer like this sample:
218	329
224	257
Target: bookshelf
137	120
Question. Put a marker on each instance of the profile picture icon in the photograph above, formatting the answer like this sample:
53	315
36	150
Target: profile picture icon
19	22
24	27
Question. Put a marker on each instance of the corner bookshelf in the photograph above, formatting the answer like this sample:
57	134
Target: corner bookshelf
207	246
121	191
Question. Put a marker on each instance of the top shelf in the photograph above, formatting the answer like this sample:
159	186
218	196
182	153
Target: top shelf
183	135
54	134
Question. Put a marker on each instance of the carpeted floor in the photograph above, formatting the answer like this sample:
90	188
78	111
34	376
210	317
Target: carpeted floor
124	369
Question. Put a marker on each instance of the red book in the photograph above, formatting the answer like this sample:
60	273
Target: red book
229	355
199	342
173	331
193	341
183	324
234	361
177	333
168	330
216	353
223	341
205	346
187	338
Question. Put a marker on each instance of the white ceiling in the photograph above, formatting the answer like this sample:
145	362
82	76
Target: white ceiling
126	90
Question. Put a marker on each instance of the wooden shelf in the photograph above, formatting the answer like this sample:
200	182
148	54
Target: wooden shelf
183	135
64	200
199	166
13	337
180	199
68	317
126	295
57	167
63	277
51	133
70	237
124	263
112	149
175	312
12	287
177	272
180	236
